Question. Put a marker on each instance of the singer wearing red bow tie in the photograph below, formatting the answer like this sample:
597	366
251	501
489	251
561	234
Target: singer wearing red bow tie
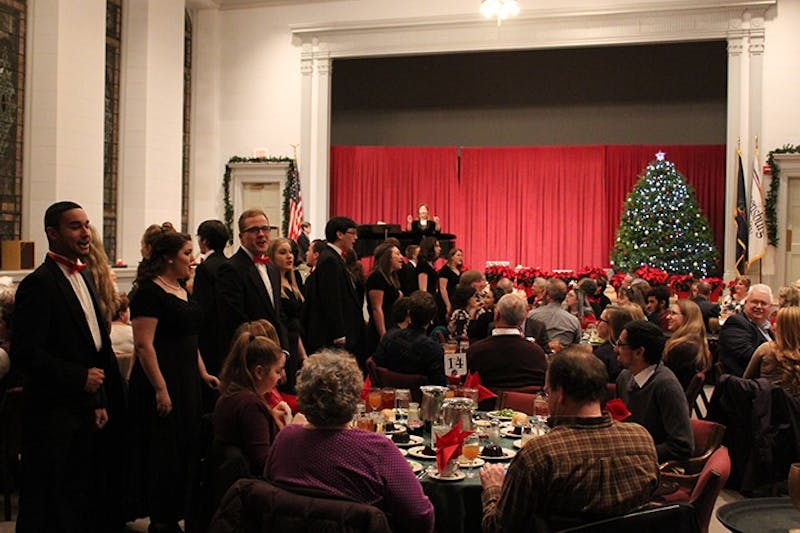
249	287
334	314
72	402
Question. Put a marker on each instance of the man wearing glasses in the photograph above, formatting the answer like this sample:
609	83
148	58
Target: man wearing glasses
249	286
651	391
743	333
334	315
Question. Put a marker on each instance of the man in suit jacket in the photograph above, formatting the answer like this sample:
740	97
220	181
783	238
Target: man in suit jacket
212	235
249	286
709	309
506	360
303	242
409	281
334	315
72	411
744	332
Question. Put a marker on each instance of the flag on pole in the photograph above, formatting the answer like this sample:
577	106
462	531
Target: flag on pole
295	204
758	223
740	215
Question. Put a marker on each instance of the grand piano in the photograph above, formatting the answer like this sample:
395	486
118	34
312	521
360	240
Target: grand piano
371	235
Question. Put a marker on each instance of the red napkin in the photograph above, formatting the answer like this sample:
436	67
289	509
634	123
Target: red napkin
474	382
448	446
365	390
273	398
617	409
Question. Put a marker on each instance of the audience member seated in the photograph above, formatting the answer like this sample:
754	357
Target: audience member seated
787	297
399	317
506	285
7	292
562	327
707	308
612	320
325	455
536	299
651	391
506	360
743	332
410	350
599	300
482	325
465	309
734	302
587	465
686	351
242	417
657	307
779	360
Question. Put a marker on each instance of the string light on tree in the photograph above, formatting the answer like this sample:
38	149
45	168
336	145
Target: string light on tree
662	209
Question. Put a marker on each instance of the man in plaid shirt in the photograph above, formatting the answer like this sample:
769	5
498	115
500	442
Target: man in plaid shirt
587	467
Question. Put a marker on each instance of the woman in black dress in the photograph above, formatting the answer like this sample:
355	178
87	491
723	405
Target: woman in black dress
423	224
449	275
280	253
427	277
165	385
383	290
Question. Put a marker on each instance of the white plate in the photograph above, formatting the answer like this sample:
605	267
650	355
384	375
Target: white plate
415	466
507	455
457	476
414	440
463	462
403	452
509	432
416	452
494	414
518	443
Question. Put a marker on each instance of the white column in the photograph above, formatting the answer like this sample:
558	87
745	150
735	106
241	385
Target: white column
315	147
735	46
151	117
65	95
307	181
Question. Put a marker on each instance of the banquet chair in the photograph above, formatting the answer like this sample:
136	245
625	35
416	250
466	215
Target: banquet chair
703	493
660	519
692	391
383	377
707	439
256	506
518	401
10	443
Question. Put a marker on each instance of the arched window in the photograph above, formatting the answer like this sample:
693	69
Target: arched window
187	119
111	127
12	92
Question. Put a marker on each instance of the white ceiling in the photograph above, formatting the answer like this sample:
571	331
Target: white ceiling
230	4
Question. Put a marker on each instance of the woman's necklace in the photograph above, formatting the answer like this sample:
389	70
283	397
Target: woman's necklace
171	286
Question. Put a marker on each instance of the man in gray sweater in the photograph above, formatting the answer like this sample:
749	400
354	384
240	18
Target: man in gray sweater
651	391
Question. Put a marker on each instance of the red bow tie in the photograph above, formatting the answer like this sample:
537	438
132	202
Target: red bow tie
344	256
73	266
261	259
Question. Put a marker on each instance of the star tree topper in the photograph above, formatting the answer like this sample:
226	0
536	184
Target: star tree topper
660	155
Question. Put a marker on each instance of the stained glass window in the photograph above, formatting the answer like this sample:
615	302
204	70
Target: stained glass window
111	127
12	85
187	108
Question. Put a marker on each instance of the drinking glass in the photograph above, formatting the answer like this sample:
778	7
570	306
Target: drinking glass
470	449
365	422
402	398
439	428
387	398
375	399
540	405
527	434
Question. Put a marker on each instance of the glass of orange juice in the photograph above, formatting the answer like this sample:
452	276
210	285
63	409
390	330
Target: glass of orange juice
470	450
375	399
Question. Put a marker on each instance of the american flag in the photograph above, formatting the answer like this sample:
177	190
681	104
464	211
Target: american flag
295	204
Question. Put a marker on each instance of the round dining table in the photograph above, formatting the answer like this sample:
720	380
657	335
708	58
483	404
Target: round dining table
760	515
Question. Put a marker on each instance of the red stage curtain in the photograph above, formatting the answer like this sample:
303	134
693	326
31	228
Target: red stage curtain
371	183
552	207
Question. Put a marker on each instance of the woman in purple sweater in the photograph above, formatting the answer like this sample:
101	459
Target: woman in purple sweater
242	417
324	454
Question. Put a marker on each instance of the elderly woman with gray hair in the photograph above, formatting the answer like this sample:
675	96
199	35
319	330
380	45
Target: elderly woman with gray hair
325	455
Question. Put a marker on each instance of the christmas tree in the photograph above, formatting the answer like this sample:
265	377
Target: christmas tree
662	226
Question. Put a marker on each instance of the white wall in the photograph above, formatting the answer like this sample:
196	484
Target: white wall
781	114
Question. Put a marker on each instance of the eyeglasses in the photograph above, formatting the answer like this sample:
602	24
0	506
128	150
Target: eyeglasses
601	319
620	344
256	229
352	231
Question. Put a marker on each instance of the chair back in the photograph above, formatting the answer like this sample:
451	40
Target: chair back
255	506
693	389
383	377
707	437
712	478
518	401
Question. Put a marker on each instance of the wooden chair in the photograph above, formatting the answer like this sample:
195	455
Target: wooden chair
659	519
693	390
707	439
518	401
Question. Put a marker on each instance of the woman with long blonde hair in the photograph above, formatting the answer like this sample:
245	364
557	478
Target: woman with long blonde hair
103	278
779	360
686	351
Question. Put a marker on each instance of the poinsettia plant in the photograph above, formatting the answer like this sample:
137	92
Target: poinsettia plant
591	272
495	273
617	279
681	282
652	275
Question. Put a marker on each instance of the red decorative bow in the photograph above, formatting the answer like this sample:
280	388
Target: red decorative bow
73	266
261	259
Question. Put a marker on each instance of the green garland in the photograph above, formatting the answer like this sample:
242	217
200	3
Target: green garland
226	185
772	195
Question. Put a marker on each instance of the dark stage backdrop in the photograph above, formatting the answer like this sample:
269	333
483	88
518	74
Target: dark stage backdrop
547	206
